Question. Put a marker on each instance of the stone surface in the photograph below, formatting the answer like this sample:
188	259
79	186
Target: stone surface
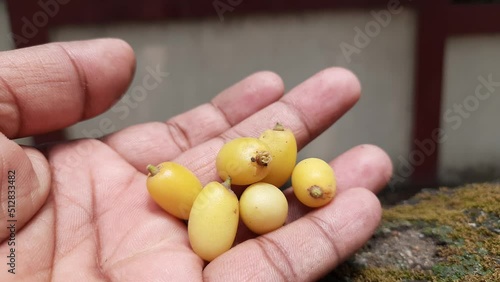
446	234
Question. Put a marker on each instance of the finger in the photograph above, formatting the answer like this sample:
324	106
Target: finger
306	249
307	110
157	142
25	179
363	166
63	82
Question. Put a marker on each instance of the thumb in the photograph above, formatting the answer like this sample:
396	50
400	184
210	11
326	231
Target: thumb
24	181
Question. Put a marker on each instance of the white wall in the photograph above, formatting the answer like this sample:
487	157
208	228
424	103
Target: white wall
472	150
205	57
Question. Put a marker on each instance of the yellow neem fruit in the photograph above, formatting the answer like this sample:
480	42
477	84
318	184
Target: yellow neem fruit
283	146
313	182
245	159
263	207
173	187
213	220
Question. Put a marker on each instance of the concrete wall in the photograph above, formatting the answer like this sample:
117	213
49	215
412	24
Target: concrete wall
5	38
471	111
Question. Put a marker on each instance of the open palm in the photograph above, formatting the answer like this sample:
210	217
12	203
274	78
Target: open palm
83	212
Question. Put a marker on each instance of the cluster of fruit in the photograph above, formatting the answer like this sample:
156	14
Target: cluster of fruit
262	165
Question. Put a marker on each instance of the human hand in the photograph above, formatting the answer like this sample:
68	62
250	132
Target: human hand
82	209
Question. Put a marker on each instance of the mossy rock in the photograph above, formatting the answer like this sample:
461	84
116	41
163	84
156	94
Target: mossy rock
446	234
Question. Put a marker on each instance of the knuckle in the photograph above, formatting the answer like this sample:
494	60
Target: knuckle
178	135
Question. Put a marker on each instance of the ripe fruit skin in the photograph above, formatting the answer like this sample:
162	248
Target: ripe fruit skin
173	187
313	182
283	146
213	221
263	207
245	159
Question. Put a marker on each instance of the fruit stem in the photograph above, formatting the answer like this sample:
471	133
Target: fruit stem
315	191
227	183
262	158
278	127
153	169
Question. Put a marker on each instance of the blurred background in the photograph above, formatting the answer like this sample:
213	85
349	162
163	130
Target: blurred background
430	70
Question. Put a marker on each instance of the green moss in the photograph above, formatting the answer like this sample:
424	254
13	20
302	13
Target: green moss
348	273
440	233
376	275
465	224
463	265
